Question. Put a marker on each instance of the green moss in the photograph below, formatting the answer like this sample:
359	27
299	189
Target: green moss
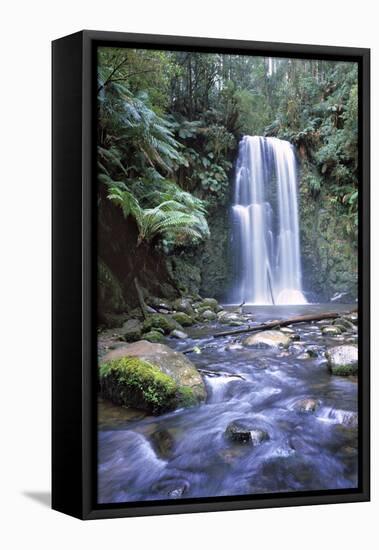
186	397
183	319
153	336
130	381
164	322
344	370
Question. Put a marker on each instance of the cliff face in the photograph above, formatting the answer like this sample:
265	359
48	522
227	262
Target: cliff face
329	256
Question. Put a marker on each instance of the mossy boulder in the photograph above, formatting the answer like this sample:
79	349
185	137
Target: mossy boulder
164	322
210	303
343	360
208	315
188	389
133	382
153	336
182	318
183	305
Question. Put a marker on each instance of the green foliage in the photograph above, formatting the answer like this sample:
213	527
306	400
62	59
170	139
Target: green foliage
178	222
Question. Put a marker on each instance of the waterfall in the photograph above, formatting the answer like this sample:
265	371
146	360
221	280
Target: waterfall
266	224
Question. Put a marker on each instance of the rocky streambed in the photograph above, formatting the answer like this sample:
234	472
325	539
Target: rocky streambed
183	414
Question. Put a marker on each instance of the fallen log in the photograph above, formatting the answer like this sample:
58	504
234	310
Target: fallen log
285	322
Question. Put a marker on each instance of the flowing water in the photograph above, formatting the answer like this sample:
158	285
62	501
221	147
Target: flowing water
186	454
265	224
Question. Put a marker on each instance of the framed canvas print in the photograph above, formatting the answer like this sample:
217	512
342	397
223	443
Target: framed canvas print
210	274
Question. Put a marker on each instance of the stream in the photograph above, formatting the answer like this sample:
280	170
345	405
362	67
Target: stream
186	454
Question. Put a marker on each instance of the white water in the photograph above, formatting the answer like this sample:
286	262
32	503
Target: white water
266	224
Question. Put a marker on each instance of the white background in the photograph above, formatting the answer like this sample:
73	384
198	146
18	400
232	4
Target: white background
26	31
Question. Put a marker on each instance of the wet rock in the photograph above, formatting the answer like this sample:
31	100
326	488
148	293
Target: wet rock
132	330
153	336
173	488
163	443
164	322
268	339
291	333
343	360
353	317
287	330
178	334
182	318
241	431
181	385
229	318
150	309
296	348
307	405
340	327
330	330
346	323
208	315
184	305
315	351
210	303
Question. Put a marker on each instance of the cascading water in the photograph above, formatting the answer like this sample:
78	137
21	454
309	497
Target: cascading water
266	224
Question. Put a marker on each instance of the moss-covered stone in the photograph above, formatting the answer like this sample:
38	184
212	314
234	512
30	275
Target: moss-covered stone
183	319
132	382
164	322
153	336
190	386
210	303
343	360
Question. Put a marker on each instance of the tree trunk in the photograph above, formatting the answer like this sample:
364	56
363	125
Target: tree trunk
140	298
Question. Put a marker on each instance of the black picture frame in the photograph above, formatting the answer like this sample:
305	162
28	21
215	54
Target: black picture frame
74	275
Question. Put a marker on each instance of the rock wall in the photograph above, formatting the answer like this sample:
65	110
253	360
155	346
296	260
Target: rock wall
329	256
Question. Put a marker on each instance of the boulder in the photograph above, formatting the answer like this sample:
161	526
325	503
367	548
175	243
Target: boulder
153	336
150	377
184	305
343	360
178	334
268	339
164	322
314	351
331	331
346	323
208	315
307	405
210	303
132	330
241	431
229	318
182	318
